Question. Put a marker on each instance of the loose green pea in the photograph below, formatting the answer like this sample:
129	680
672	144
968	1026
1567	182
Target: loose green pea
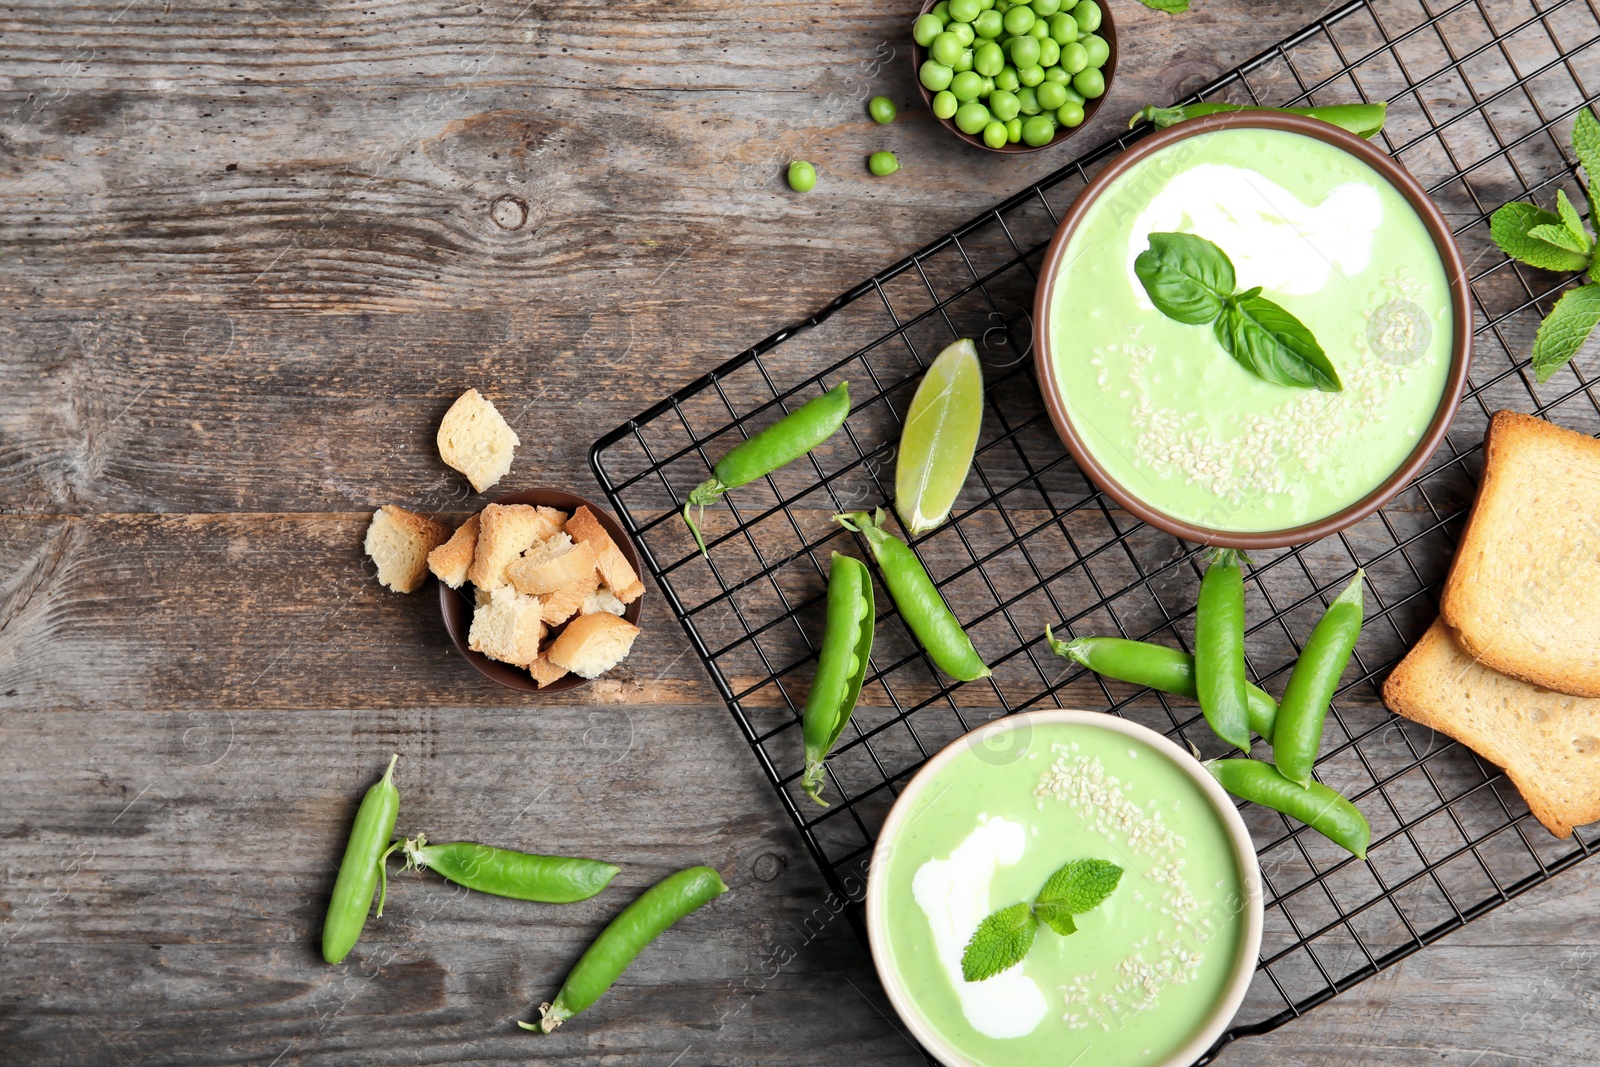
988	87
965	62
1097	48
1031	76
1027	100
984	5
964	10
1049	53
1038	130
1007	79
926	28
882	110
802	176
1024	52
1091	83
994	134
1013	131
1088	15
1074	57
945	104
941	10
963	31
1045	8
1040	30
1020	20
1003	6
1050	96
966	86
1063	29
1003	105
988	59
1070	114
883	164
1073	96
935	75
1057	75
1068	5
945	49
989	25
972	117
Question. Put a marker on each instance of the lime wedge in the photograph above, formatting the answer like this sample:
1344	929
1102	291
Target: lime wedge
940	435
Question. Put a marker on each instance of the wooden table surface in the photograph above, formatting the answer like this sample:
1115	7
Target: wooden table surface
249	252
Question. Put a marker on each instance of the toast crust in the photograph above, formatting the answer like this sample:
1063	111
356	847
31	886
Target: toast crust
451	560
399	542
1523	592
614	568
1548	743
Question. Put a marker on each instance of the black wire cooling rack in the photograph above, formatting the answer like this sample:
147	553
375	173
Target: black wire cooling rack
1482	95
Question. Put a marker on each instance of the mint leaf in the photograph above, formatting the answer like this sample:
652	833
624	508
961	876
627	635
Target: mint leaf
1554	233
1171	7
1056	916
1081	885
1570	219
1188	278
1510	226
1586	143
1274	345
1565	329
1000	941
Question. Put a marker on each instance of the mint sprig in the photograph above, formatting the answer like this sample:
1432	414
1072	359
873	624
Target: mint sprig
1005	936
1558	241
1190	280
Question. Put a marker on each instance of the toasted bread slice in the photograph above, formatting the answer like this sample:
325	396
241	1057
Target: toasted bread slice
544	672
399	542
508	628
475	440
602	599
554	563
1524	590
451	560
592	644
563	604
505	533
1548	743
614	568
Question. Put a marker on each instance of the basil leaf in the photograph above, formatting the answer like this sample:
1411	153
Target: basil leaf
1554	233
1565	329
1188	278
1509	227
1000	941
1274	345
1081	885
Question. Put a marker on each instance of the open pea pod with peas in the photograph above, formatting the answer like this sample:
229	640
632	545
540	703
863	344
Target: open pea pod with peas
841	666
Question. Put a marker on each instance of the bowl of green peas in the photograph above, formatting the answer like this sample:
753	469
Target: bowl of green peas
1014	77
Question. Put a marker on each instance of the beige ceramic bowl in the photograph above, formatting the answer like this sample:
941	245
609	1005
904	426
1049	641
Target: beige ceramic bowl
989	736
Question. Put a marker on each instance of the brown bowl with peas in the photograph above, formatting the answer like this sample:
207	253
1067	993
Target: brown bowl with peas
1014	77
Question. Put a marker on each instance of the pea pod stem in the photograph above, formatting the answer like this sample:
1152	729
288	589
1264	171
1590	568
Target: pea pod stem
640	923
841	666
1157	667
1316	805
1219	671
361	867
917	598
1363	120
506	873
1311	685
784	441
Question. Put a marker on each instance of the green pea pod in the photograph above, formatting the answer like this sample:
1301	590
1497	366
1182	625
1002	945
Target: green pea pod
1219	650
640	923
520	875
361	868
784	441
917	598
1312	682
1157	667
841	665
1319	807
1363	120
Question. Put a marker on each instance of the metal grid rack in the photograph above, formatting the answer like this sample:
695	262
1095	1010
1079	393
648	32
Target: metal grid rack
1482	97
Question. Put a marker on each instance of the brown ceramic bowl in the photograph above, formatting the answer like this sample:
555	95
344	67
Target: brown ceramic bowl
1461	353
456	604
1108	30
